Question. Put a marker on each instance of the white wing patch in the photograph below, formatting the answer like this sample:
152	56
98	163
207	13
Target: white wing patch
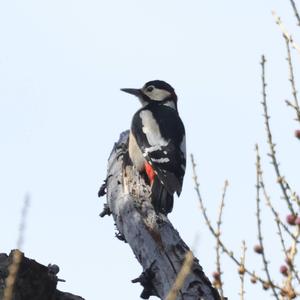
160	160
152	131
152	149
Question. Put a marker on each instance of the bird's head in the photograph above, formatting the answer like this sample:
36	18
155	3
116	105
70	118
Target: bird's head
157	92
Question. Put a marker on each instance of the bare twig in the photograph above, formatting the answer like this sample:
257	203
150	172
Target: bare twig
180	279
284	248
242	270
278	221
291	263
295	11
285	31
295	105
214	233
275	213
269	203
294	196
22	225
218	256
272	153
203	210
17	255
260	237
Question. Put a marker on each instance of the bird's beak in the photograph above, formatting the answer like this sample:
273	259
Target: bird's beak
135	92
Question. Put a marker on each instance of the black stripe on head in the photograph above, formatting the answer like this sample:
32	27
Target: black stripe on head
161	85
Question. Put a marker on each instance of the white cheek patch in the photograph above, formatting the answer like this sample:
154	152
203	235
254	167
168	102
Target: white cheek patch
158	94
151	130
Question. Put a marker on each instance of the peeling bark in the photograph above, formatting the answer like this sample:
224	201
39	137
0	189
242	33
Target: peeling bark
154	241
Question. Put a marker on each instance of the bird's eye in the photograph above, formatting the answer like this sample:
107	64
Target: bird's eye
150	88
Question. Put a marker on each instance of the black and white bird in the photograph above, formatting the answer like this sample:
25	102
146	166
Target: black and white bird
157	142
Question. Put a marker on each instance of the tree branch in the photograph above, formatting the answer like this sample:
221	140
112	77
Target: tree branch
154	241
272	145
258	218
295	11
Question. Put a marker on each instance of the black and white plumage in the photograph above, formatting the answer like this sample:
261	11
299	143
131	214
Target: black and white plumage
157	142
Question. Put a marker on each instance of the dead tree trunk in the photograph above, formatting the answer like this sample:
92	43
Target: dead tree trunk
154	241
33	281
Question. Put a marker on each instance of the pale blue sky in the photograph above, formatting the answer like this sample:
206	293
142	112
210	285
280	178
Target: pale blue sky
62	64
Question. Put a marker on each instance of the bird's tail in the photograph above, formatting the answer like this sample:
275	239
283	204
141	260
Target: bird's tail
162	200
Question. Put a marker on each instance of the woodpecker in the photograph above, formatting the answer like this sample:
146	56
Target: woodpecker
157	142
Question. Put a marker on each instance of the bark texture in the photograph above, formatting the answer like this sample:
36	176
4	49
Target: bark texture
154	241
34	281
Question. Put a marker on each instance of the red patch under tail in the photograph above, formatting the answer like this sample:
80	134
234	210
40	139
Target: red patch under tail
150	172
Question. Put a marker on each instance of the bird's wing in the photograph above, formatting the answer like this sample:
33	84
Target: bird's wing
160	134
